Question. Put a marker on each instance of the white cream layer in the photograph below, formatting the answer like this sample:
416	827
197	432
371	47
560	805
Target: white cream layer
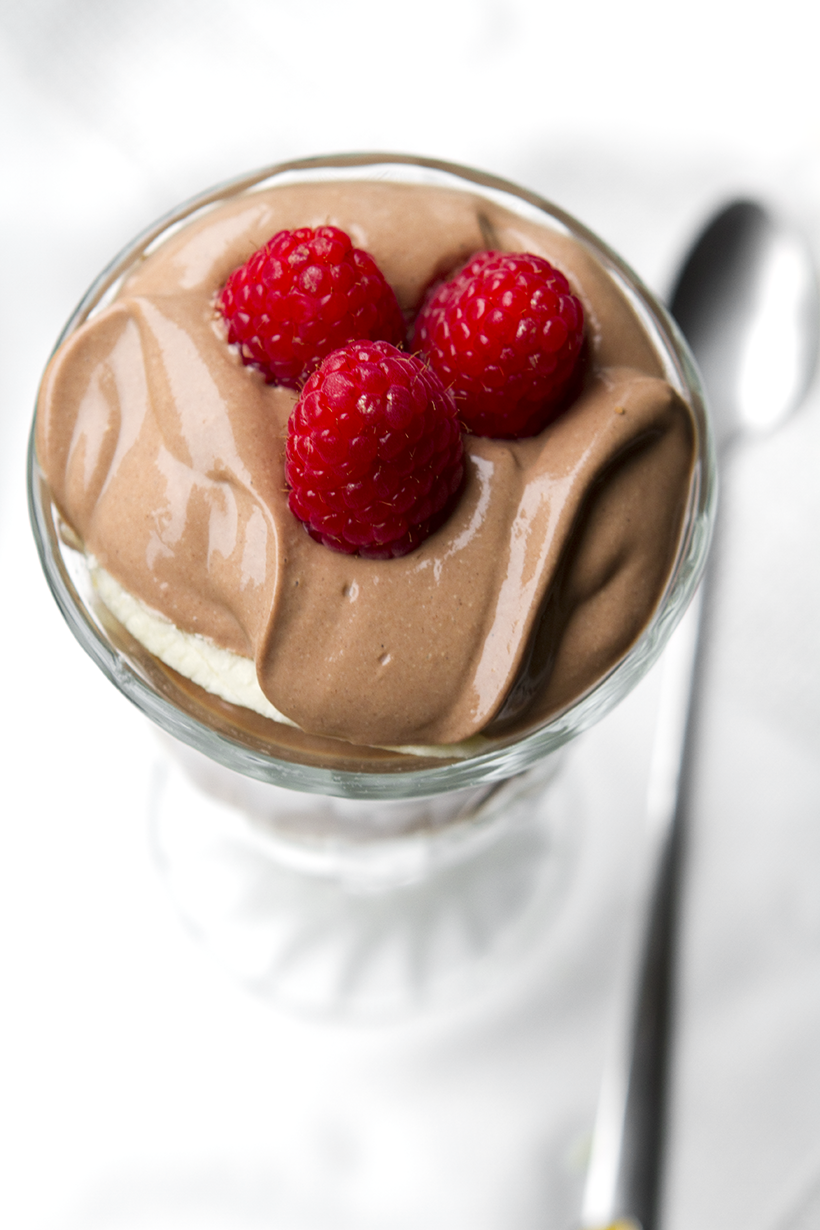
219	671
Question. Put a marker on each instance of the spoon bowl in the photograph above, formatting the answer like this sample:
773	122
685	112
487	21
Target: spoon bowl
746	299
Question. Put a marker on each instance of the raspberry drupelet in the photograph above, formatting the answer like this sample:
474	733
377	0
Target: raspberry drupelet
374	458
505	336
303	295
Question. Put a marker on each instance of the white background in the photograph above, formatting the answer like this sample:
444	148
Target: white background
140	1087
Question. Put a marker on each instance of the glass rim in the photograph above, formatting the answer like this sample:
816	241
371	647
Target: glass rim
408	776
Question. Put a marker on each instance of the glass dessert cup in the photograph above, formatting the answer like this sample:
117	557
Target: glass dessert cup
325	813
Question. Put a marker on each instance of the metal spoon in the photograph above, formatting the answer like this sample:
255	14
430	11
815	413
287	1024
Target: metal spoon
746	299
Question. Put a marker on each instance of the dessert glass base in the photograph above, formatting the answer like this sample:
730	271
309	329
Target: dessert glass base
360	909
347	904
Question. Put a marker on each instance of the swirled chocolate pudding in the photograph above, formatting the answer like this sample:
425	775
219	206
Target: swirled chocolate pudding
165	455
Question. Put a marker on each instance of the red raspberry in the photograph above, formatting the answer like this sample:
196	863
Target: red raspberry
304	294
504	335
374	452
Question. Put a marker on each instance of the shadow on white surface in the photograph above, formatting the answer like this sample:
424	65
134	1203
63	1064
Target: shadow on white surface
213	1197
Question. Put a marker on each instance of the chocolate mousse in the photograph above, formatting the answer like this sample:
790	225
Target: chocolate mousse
164	455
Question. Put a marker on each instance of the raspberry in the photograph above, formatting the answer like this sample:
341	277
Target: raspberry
505	336
304	294
374	452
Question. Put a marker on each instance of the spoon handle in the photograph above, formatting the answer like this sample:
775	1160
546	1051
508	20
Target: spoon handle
624	1172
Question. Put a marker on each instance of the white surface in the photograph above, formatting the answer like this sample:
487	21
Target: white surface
140	1088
